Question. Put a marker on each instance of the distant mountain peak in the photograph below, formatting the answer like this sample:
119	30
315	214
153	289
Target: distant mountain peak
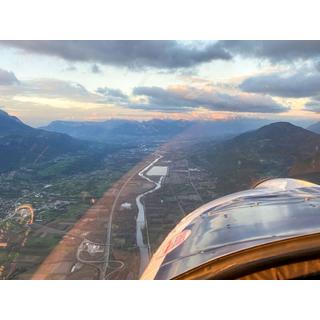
279	130
4	114
279	125
12	125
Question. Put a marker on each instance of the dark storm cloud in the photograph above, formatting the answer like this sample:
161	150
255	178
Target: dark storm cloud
132	54
188	98
298	85
275	51
7	78
169	54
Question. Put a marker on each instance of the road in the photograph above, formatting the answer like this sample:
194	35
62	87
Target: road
109	229
106	263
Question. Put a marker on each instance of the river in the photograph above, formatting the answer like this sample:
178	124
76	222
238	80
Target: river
141	224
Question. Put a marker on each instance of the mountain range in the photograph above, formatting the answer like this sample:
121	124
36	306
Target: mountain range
126	130
116	129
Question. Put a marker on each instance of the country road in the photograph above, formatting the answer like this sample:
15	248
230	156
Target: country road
109	229
144	250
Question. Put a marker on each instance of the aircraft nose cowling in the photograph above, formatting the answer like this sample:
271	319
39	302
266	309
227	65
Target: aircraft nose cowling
275	209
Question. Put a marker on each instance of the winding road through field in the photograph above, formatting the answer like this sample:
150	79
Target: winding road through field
141	224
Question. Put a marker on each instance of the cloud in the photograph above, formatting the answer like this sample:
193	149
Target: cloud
131	54
186	98
295	85
313	106
168	54
95	69
275	50
108	92
112	96
50	89
7	78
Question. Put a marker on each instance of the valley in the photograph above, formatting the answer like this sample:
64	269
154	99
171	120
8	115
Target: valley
100	210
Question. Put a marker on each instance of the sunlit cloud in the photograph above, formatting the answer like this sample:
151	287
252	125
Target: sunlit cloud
184	98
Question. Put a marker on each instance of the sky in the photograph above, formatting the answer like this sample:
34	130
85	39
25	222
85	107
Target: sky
42	81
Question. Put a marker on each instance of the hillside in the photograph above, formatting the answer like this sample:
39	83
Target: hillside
276	150
21	145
